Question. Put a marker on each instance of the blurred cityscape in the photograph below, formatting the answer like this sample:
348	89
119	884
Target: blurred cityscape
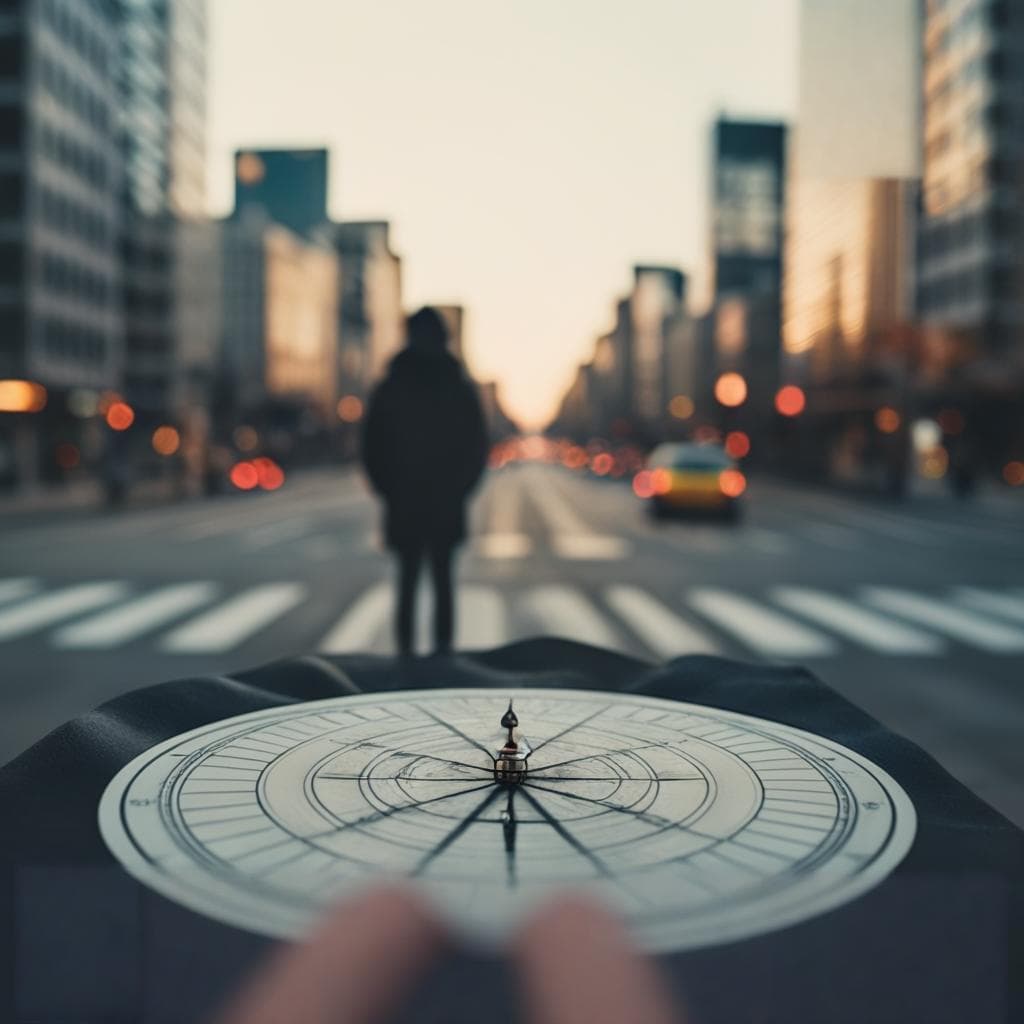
865	325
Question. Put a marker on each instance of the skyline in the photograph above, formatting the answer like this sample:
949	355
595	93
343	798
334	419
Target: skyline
528	197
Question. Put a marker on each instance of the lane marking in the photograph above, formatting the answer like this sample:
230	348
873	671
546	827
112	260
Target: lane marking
503	546
1006	605
560	610
125	623
660	628
589	547
362	623
227	625
63	604
856	622
572	538
764	630
970	627
18	586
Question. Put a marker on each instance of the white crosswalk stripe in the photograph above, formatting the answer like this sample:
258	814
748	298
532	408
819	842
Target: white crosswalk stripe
481	618
878	632
20	586
361	624
786	622
660	628
768	632
45	610
1005	605
127	622
970	627
226	626
558	610
571	537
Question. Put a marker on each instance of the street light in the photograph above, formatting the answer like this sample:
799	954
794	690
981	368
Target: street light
22	396
731	390
790	401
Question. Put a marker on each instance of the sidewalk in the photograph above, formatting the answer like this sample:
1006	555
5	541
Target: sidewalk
81	496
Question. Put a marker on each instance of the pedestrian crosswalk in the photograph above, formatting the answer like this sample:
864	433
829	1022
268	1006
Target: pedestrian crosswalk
781	623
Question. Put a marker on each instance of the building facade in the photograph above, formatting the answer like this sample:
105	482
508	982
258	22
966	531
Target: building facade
748	209
371	320
850	268
289	186
279	329
656	306
169	318
972	226
60	214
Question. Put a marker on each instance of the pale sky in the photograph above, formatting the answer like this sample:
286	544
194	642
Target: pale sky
527	152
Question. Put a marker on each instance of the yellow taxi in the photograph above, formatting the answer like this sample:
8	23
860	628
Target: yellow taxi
690	477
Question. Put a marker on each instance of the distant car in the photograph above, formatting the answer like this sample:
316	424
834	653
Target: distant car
691	477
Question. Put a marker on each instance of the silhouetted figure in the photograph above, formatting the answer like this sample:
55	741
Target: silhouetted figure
424	448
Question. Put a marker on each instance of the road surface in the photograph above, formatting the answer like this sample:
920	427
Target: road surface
914	612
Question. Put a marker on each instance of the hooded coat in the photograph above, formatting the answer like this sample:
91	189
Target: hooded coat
424	447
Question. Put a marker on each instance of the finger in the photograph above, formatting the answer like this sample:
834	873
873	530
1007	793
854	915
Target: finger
578	966
354	969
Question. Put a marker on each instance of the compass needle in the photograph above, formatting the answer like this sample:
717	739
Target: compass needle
703	826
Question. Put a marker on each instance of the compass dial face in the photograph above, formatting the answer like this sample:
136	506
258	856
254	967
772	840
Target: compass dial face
700	826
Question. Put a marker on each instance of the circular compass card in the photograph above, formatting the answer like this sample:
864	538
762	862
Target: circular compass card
700	826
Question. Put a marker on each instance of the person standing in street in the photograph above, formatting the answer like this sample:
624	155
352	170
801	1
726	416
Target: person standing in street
424	447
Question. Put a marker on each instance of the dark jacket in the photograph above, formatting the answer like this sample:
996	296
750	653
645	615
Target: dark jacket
424	447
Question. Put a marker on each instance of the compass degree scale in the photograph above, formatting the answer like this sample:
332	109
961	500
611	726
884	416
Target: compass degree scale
700	826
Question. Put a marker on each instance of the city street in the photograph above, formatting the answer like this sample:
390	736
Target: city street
914	612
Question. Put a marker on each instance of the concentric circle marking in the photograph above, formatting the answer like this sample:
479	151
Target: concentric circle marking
701	826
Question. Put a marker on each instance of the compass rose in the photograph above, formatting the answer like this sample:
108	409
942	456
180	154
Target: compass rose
698	825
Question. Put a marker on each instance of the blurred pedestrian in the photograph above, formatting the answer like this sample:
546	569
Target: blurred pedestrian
424	447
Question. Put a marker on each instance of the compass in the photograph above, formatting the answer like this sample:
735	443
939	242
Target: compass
700	826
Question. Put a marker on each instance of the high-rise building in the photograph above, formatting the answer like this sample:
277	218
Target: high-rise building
169	317
371	321
748	205
60	211
280	328
657	301
288	185
852	195
972	224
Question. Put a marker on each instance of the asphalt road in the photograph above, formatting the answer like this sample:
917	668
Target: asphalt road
915	612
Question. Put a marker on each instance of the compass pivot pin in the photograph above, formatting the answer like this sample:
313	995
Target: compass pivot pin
510	759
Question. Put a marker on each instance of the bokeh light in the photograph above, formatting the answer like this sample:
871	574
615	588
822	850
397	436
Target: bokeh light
888	420
22	396
934	464
642	485
120	416
244	476
731	390
681	407
790	400
602	463
732	483
350	409
166	440
1013	473
737	444
269	474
